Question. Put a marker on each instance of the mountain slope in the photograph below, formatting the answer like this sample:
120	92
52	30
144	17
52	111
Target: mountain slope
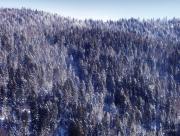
62	76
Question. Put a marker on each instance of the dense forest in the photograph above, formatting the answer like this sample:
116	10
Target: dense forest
61	76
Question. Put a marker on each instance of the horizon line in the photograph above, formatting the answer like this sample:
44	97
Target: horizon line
141	19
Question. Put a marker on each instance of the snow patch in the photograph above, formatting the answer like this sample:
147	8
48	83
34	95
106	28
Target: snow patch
2	118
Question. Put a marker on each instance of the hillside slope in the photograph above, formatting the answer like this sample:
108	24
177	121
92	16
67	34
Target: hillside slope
61	76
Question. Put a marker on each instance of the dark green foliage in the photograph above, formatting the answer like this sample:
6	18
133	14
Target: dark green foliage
75	130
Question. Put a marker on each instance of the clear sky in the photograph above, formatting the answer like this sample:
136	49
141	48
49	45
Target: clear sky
102	9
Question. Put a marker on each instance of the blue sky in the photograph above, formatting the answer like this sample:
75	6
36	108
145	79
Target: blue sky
102	9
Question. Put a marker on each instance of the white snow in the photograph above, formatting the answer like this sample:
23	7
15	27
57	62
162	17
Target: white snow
2	118
178	117
27	110
151	87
